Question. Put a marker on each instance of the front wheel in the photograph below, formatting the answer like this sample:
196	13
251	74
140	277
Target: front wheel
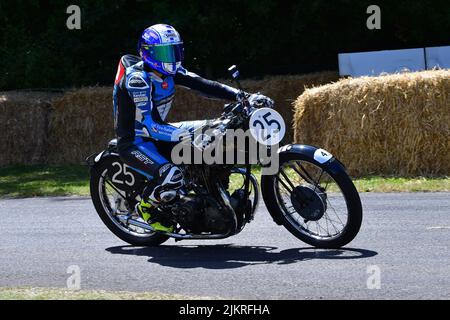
317	203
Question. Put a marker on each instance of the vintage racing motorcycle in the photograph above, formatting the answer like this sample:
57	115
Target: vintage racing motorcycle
310	194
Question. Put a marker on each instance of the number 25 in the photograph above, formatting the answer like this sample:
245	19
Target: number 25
268	122
125	173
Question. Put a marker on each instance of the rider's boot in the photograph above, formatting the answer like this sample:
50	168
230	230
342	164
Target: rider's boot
166	190
147	211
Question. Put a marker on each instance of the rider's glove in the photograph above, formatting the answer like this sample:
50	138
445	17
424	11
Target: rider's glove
260	100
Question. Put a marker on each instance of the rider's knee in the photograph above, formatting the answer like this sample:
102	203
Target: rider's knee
170	176
170	179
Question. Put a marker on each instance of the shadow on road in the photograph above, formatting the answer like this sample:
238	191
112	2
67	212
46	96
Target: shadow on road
227	256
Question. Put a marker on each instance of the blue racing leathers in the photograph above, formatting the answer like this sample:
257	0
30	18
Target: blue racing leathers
142	100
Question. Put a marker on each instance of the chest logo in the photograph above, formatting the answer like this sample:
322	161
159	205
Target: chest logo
165	85
137	82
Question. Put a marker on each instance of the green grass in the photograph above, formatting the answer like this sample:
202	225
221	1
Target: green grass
65	294
398	184
32	181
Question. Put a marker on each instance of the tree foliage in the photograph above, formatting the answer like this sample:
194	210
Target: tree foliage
37	50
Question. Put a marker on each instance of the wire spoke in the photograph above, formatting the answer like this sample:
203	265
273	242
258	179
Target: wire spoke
287	179
285	186
326	224
309	178
320	227
327	218
330	205
326	186
318	180
304	176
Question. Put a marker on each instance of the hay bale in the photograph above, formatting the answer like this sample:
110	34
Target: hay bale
24	122
81	124
392	125
188	105
284	90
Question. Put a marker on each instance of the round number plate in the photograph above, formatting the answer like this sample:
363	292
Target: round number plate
267	126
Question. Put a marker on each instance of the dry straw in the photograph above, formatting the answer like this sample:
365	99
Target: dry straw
397	124
82	123
24	118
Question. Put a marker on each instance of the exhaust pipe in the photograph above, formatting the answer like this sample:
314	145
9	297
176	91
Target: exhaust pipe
128	221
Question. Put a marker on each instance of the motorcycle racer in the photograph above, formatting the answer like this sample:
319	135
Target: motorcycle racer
144	89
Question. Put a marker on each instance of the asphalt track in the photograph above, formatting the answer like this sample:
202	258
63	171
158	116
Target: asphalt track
404	243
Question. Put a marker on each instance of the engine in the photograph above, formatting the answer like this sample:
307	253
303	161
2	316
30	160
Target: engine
200	214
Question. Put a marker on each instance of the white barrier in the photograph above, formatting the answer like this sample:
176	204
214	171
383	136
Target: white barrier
393	61
438	57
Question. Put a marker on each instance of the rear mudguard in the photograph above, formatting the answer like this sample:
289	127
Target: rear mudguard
95	158
98	161
317	156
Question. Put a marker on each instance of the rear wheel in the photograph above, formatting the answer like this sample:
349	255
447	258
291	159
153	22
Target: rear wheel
112	201
318	205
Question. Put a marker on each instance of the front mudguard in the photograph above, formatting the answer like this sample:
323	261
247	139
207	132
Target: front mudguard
317	156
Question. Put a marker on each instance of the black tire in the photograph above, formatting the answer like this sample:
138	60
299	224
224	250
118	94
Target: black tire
154	239
352	199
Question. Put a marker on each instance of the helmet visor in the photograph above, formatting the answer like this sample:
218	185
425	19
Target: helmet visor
167	53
